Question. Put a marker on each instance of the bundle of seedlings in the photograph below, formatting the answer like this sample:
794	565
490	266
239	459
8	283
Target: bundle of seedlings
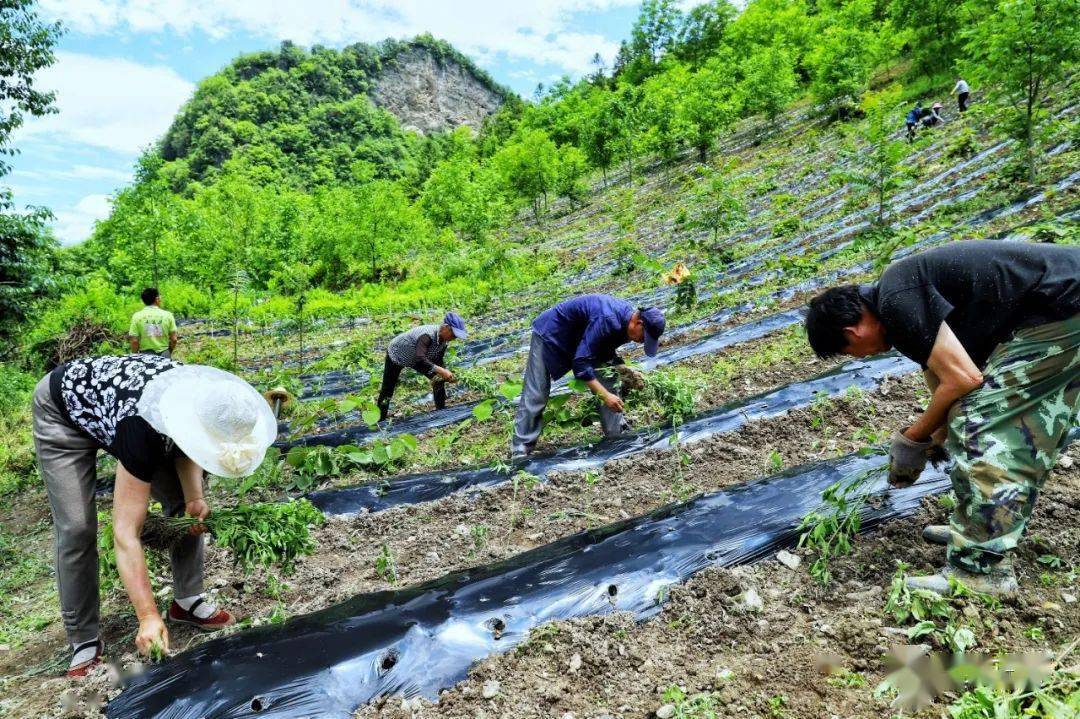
262	534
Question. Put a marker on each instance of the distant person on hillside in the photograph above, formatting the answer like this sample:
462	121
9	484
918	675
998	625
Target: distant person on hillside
932	117
996	328
912	119
153	330
962	92
167	425
582	334
422	349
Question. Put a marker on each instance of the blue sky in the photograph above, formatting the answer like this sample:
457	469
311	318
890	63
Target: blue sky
124	67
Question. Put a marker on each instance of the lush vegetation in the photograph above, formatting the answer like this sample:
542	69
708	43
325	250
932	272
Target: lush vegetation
282	167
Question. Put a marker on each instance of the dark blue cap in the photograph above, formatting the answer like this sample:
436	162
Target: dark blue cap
654	327
454	322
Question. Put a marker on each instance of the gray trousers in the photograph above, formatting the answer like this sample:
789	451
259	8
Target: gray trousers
67	460
534	398
167	354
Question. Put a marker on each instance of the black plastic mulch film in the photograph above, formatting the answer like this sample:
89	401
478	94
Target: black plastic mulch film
420	640
413	489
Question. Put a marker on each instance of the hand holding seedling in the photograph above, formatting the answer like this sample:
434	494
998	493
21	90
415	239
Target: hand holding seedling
446	374
199	509
152	638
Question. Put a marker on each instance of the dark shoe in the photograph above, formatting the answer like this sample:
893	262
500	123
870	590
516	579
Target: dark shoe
79	669
936	533
218	620
999	583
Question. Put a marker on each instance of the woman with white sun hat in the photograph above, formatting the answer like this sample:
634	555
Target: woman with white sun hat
166	424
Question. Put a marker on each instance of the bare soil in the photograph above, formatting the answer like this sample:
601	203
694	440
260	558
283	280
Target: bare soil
430	540
809	653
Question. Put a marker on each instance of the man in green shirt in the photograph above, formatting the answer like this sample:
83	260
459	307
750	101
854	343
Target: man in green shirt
153	330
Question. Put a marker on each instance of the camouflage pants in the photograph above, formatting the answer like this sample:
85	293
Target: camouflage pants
1005	437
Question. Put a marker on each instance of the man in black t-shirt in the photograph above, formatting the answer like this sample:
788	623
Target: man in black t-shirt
996	328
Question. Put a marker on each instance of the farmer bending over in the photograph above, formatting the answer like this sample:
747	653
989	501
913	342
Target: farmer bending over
165	423
152	330
583	334
421	348
996	328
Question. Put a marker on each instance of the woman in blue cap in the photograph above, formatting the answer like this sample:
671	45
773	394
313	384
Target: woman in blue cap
421	348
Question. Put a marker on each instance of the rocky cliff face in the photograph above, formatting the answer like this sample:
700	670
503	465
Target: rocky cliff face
429	94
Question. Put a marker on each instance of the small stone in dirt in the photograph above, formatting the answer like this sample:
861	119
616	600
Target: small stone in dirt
575	663
568	715
752	600
1066	462
1065	597
491	689
665	712
789	560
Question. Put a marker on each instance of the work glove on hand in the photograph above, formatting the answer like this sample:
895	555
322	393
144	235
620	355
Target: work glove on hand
937	454
907	460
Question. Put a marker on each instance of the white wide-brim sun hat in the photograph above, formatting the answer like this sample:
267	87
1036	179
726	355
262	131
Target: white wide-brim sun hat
218	420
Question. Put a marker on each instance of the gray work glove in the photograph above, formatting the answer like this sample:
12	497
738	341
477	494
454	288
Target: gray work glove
907	460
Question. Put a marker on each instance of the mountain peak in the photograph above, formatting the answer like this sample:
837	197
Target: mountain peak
430	87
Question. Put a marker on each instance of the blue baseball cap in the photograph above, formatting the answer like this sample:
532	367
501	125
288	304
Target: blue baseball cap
654	327
454	322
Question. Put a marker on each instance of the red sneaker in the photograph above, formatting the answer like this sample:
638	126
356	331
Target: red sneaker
218	620
82	668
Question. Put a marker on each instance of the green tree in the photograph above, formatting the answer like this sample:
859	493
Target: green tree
774	23
528	166
1021	48
708	104
26	246
716	206
878	168
630	120
461	194
600	140
653	35
661	102
570	174
768	83
702	31
933	31
844	55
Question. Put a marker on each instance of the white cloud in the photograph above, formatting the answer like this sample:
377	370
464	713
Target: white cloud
77	172
75	225
537	30
112	103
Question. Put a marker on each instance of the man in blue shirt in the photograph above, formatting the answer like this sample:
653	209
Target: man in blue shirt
582	334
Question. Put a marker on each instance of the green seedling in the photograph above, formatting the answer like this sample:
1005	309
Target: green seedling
258	535
156	652
935	617
829	530
385	566
675	394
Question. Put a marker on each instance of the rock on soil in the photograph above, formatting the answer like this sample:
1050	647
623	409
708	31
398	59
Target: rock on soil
789	560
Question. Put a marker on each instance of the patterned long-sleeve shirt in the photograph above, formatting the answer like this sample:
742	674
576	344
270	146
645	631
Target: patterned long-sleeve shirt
419	348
